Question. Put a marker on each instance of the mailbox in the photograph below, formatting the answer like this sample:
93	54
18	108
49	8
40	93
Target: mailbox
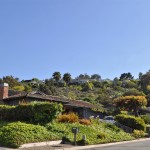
75	130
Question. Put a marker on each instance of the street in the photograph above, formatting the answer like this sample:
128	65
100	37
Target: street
129	145
142	145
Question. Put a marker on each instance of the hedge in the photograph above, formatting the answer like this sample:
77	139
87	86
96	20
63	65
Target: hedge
17	133
146	119
39	112
131	121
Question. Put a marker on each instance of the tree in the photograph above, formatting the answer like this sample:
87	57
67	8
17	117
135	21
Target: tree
131	103
97	84
145	82
134	92
67	77
11	81
19	88
87	86
129	84
27	88
57	76
126	76
35	79
116	82
83	76
140	75
50	82
96	76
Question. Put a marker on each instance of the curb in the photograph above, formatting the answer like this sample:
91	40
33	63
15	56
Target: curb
3	148
104	145
47	143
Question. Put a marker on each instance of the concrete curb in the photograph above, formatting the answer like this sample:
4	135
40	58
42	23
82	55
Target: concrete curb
47	143
3	148
104	145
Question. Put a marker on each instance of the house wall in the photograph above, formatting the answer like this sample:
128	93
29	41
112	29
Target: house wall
87	113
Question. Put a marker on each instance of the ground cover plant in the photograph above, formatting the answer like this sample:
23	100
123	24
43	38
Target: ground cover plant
96	133
17	133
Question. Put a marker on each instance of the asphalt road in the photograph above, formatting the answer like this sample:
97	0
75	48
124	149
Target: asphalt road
140	145
143	145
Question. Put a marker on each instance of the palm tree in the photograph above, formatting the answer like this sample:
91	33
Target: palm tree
67	77
57	76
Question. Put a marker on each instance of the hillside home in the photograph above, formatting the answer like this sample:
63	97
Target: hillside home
84	109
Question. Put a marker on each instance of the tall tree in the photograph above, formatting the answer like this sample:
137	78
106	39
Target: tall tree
126	76
96	76
67	77
140	75
145	82
83	76
57	76
12	82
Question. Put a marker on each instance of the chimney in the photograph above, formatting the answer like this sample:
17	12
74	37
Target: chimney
3	90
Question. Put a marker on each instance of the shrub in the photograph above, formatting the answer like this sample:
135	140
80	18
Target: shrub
19	88
138	133
6	112
148	129
101	135
124	112
39	112
112	127
131	121
146	119
85	121
17	133
82	142
71	117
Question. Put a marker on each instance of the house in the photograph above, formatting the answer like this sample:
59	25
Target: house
82	81
84	109
33	82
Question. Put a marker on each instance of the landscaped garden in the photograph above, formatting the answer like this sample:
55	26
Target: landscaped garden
37	122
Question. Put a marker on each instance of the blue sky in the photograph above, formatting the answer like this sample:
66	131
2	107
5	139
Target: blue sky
108	37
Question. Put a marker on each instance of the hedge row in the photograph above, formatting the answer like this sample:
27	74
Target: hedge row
131	121
40	112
